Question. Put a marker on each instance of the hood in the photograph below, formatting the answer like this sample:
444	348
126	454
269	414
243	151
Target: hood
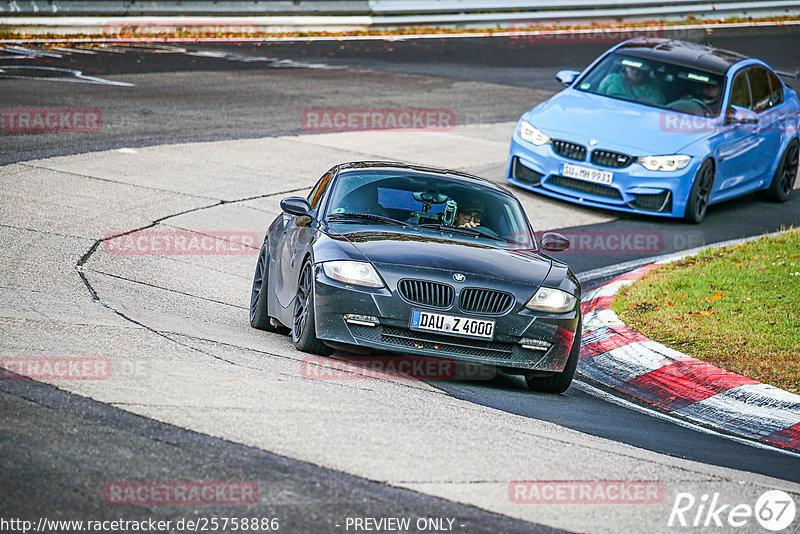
617	125
428	250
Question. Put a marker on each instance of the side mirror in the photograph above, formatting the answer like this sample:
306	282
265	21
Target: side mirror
566	77
553	242
740	115
295	206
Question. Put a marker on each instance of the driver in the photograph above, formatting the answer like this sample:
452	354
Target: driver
633	83
710	96
470	213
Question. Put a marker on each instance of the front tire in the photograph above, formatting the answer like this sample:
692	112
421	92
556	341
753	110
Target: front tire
783	181
259	318
304	332
559	382
700	193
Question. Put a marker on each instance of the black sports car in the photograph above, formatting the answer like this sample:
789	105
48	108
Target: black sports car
419	261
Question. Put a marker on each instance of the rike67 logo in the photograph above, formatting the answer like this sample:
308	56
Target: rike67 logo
774	510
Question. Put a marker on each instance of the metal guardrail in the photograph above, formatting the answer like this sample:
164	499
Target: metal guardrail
188	7
249	16
499	9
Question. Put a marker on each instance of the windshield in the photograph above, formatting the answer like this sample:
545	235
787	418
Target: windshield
423	203
656	83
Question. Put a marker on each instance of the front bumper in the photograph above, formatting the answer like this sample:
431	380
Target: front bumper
333	299
634	189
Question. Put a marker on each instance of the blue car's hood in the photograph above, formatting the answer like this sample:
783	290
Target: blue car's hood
617	125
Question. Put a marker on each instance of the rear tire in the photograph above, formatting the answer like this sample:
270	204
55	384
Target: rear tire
697	205
785	175
304	332
559	382
259	318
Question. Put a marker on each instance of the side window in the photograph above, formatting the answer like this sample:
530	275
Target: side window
740	90
760	89
319	190
776	87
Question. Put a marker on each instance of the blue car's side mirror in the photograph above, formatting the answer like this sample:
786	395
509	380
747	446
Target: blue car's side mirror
295	206
566	77
740	115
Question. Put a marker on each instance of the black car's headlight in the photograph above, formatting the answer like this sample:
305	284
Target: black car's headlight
359	273
531	134
551	300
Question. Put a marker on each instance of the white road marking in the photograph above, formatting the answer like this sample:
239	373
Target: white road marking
71	75
595	392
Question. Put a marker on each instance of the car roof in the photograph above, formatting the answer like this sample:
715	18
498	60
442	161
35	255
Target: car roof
420	170
702	57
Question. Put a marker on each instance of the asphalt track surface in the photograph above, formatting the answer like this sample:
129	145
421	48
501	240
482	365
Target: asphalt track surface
231	92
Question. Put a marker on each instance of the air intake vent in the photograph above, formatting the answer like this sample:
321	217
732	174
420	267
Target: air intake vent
581	186
485	301
523	174
427	293
660	202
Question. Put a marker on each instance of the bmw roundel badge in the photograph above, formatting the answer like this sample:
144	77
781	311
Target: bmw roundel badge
458	277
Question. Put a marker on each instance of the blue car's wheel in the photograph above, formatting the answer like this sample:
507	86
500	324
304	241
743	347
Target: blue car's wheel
303	323
697	205
783	181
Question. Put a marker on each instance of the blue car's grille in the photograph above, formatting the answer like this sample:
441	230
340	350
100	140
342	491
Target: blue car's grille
427	293
569	150
485	301
581	186
523	174
606	158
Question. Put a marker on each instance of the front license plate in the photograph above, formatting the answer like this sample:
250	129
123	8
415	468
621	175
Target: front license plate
450	324
587	174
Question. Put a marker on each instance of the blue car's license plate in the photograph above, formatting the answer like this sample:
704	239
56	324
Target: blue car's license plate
451	324
587	174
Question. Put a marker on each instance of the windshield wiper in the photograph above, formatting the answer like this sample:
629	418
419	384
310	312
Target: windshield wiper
460	229
367	216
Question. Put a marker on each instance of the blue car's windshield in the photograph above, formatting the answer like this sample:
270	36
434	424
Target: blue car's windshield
655	83
420	202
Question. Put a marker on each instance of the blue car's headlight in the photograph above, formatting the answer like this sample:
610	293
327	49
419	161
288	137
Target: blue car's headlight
531	134
551	300
664	163
352	272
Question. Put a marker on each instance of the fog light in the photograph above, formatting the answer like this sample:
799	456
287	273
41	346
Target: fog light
534	344
363	320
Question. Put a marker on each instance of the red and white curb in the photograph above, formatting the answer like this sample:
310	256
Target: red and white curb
627	361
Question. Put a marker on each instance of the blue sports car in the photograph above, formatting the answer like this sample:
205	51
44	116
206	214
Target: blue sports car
661	127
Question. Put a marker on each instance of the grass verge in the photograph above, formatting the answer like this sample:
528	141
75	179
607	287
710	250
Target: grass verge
518	31
736	307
